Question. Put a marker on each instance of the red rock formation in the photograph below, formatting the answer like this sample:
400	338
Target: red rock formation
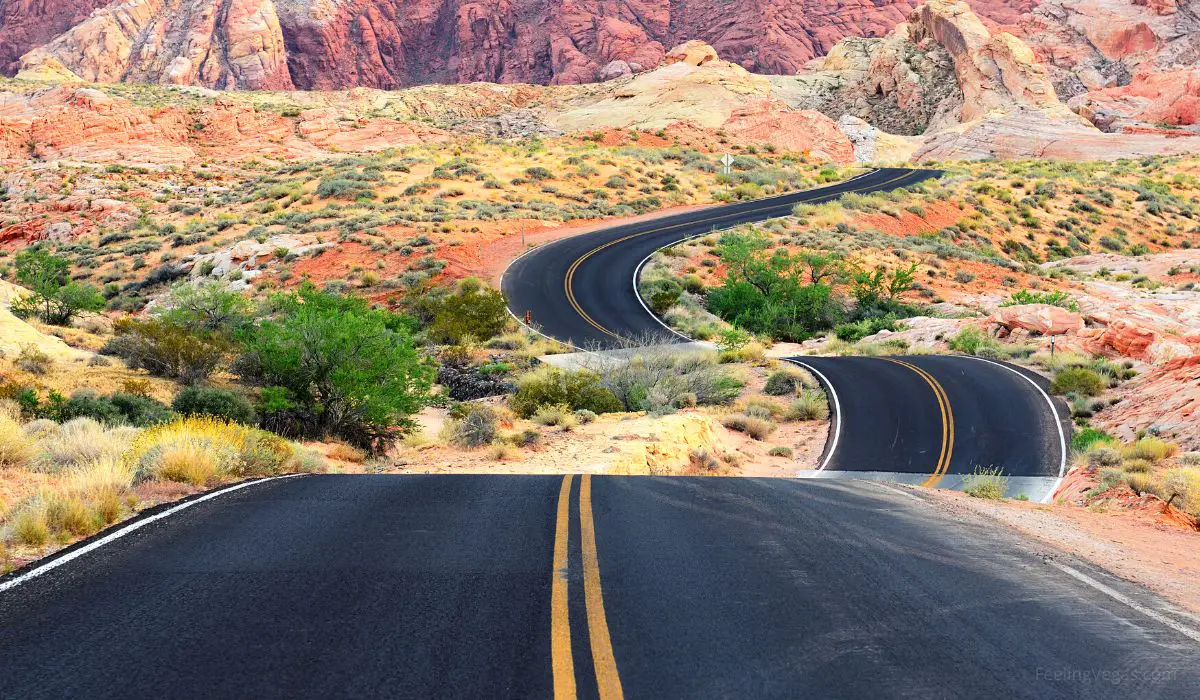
26	24
320	44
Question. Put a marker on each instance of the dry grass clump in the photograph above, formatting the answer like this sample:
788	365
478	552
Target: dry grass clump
16	448
342	452
986	482
811	404
477	428
201	450
78	442
1150	448
755	427
559	414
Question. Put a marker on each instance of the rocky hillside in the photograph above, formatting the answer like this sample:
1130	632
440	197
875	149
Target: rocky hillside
325	44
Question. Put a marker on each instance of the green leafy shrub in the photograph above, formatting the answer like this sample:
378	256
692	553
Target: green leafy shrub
166	349
1054	298
54	297
115	409
661	294
972	341
1077	380
782	382
856	331
345	369
212	401
551	386
472	310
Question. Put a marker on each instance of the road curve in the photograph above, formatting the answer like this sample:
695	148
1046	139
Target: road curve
515	587
580	290
937	418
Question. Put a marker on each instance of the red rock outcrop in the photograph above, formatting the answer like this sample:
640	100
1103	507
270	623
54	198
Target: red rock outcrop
323	44
1038	318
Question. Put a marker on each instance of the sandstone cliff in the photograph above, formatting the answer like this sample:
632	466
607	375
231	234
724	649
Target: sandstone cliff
327	44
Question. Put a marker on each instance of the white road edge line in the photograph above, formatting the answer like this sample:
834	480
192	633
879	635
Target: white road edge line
137	525
837	411
1062	438
1116	595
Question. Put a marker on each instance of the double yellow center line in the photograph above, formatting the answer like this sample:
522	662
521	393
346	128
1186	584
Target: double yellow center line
569	280
943	462
608	681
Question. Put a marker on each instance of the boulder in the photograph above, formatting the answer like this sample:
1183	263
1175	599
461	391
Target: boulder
693	53
1045	319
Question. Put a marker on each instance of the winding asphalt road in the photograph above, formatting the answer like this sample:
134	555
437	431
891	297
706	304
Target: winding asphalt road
924	420
580	289
523	587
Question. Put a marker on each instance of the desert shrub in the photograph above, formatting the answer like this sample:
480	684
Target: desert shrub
78	442
656	379
856	331
702	460
115	409
1181	488
1104	457
783	381
781	451
1150	448
1084	440
551	386
661	294
54	297
470	310
763	407
971	341
166	349
211	401
16	447
476	428
811	404
346	453
585	416
1138	482
765	291
1054	298
986	482
202	450
208	306
33	360
1077	380
560	415
757	428
335	368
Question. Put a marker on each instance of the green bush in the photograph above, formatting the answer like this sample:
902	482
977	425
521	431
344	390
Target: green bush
336	367
782	382
856	331
115	409
211	401
656	379
1078	380
1083	440
166	349
54	297
1054	298
470	310
810	405
661	294
551	386
972	341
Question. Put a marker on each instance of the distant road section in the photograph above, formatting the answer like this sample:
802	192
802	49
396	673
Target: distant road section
580	290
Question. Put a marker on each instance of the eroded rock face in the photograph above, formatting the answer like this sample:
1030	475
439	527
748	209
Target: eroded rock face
327	44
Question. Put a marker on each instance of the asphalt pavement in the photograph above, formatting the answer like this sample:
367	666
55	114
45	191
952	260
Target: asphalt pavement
517	587
580	290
